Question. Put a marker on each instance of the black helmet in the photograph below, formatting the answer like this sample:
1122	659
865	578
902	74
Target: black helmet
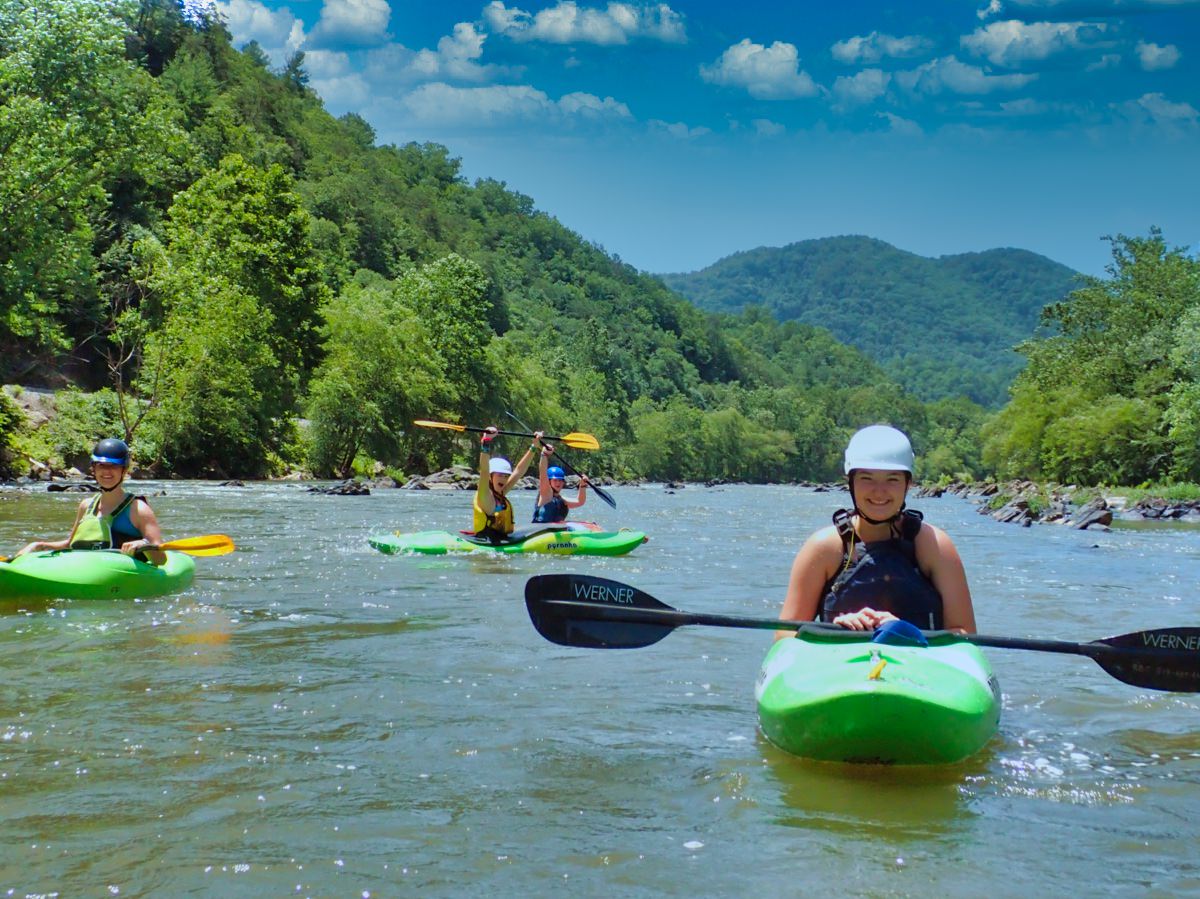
112	451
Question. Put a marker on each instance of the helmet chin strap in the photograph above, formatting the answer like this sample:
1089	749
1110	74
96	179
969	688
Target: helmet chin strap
867	518
115	486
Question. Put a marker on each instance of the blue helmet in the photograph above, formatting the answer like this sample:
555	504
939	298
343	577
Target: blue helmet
112	451
555	472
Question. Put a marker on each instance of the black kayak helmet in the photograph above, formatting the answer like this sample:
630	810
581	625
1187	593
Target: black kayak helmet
111	450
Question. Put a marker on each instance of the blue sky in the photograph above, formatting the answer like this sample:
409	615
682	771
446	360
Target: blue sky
673	134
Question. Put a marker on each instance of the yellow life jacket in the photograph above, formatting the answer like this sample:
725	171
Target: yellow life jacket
499	522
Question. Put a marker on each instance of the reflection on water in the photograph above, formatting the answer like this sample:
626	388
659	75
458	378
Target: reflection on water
900	803
314	718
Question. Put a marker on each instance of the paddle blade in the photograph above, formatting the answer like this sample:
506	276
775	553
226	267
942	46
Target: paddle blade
208	545
593	612
603	494
1163	659
423	423
577	440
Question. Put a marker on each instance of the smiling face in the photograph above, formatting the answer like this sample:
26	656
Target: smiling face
107	474
879	494
557	484
497	481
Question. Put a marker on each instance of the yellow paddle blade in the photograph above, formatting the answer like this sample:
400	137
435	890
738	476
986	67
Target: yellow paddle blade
424	423
208	545
579	441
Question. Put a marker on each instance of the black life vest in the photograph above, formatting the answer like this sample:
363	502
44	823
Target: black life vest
882	574
555	509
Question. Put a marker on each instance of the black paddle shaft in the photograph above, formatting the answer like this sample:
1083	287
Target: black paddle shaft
597	613
596	488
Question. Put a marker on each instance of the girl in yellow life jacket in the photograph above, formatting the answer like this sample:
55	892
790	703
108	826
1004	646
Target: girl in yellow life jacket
493	517
113	519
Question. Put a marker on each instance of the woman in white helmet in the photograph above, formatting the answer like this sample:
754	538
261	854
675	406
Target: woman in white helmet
879	561
493	517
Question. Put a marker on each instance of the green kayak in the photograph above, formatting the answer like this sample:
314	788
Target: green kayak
837	696
95	574
552	539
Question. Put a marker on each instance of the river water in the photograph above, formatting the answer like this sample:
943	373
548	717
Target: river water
312	718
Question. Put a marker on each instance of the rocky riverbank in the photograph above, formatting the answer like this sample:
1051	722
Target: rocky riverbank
1026	502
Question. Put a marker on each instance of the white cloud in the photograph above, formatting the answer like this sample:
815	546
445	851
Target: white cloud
1086	7
348	92
863	87
901	126
501	20
767	73
992	9
1153	57
875	47
589	105
1156	111
444	104
454	58
494	105
278	32
948	74
1011	43
678	130
767	128
1107	61
1027	106
568	23
359	22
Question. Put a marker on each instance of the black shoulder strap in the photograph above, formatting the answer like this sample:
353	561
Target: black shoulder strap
841	521
845	529
128	501
910	524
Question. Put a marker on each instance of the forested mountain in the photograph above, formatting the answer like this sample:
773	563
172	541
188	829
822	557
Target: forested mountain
941	327
189	235
243	284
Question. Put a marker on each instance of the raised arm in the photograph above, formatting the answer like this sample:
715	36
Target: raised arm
581	496
483	489
523	463
544	490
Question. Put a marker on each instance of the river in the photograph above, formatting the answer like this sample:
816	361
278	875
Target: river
312	718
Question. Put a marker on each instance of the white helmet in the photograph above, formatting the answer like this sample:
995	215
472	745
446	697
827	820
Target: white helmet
499	465
880	447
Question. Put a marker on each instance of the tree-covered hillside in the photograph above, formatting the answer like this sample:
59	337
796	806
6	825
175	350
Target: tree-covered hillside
192	238
1112	394
941	327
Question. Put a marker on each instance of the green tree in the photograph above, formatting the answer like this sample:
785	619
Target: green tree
381	370
11	420
79	126
219	412
1108	395
249	225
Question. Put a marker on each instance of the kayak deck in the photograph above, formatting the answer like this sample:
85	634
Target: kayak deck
94	574
548	539
844	698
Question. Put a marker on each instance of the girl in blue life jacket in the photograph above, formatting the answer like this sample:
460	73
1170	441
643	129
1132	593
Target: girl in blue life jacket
552	507
112	519
879	562
493	513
